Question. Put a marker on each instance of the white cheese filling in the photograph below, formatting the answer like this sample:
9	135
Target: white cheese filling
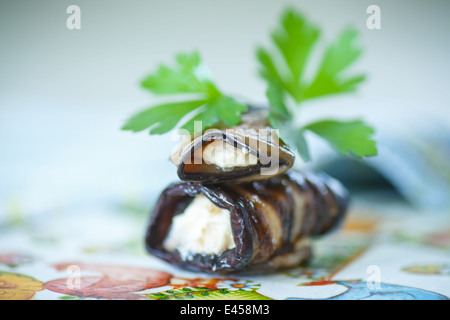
225	155
201	228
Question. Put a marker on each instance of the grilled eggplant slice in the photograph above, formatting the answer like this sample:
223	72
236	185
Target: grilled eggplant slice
248	152
257	226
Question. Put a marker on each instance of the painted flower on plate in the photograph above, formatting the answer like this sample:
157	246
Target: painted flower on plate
245	285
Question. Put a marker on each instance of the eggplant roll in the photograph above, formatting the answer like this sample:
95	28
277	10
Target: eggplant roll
257	226
248	152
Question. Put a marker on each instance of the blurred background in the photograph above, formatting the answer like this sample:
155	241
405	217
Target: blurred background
64	94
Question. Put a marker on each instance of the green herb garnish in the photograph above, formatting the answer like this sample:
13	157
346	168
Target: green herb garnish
193	96
201	99
284	70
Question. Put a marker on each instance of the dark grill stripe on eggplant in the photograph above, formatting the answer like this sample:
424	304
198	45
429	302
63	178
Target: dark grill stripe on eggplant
272	220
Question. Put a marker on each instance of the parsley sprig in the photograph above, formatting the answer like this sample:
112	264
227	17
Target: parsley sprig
193	96
204	101
284	70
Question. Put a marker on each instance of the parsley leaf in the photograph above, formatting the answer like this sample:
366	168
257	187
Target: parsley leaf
302	146
347	137
161	118
284	68
279	111
223	109
294	40
229	110
296	139
205	118
336	59
183	78
188	76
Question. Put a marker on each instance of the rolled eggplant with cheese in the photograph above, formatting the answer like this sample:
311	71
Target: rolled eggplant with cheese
258	226
250	151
